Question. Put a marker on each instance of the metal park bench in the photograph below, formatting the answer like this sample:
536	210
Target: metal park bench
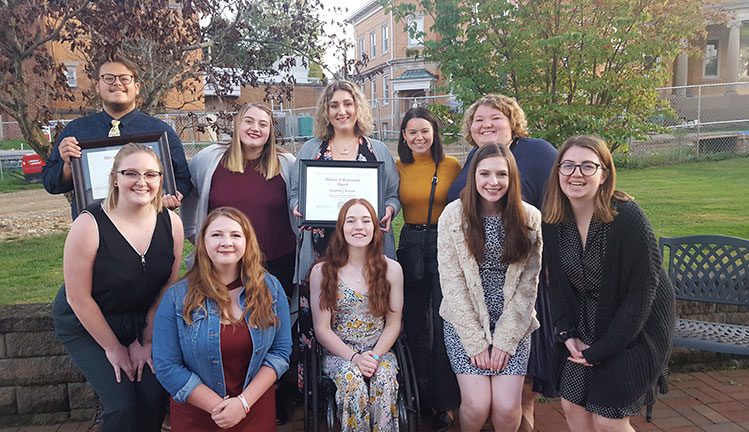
710	269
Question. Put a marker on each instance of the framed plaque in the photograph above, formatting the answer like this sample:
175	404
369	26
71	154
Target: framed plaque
325	185
91	171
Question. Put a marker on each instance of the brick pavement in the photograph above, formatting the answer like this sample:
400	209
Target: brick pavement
715	401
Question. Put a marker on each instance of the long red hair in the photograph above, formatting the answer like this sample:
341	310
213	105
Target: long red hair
375	269
203	282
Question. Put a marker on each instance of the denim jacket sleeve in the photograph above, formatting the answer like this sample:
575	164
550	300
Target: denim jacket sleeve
278	354
168	361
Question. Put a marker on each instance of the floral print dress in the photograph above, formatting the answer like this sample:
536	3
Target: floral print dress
363	404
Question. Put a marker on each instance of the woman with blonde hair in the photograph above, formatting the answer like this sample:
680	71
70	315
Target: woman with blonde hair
612	303
119	257
343	119
222	334
251	174
489	253
356	300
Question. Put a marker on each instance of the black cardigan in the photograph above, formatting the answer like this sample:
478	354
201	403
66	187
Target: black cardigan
635	317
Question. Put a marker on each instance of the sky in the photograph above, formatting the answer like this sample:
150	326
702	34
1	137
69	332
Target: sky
350	7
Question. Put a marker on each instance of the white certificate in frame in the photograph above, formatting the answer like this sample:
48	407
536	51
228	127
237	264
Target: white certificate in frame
326	185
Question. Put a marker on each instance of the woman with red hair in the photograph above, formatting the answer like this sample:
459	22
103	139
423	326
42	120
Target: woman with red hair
357	299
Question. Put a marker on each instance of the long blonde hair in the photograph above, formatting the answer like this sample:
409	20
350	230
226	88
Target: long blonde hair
203	282
114	193
322	128
234	159
556	207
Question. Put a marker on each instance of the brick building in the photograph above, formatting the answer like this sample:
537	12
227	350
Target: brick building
391	72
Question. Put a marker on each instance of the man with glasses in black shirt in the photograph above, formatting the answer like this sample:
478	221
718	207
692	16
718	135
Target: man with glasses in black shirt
117	85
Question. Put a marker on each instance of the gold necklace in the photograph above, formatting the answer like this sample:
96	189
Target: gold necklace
345	151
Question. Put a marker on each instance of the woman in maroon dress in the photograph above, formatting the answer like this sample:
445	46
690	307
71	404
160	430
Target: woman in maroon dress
221	335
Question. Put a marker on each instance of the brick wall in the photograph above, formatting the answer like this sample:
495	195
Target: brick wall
39	384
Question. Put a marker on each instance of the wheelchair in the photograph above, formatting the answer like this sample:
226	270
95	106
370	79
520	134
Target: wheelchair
319	391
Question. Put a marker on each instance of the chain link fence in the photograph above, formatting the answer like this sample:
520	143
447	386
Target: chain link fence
703	121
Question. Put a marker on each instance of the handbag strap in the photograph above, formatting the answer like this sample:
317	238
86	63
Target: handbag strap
431	200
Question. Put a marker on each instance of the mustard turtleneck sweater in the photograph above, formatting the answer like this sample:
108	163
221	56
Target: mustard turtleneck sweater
416	183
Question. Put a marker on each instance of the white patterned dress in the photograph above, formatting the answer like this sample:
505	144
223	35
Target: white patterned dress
492	272
363	404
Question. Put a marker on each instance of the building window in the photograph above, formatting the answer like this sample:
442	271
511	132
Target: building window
711	59
372	45
385	90
361	49
385	130
71	72
744	50
374	92
385	38
418	23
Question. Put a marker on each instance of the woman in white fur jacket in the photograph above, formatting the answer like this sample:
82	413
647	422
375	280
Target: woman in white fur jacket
489	254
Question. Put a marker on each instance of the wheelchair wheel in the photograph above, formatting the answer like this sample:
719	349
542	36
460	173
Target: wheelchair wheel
330	419
409	412
310	393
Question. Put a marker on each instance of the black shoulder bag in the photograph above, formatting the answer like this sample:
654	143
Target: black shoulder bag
412	258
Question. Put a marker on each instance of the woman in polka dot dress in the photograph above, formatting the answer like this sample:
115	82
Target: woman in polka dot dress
489	254
612	303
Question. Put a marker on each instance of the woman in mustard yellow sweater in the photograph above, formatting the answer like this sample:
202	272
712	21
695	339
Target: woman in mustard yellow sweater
422	160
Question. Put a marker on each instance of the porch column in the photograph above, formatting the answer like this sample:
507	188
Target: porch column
682	70
732	55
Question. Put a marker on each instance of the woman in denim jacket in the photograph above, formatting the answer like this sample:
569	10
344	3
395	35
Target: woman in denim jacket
222	335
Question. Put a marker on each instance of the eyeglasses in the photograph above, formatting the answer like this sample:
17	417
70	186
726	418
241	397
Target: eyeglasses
587	169
110	79
134	176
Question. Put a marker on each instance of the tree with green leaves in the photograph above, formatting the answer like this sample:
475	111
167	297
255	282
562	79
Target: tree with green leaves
576	67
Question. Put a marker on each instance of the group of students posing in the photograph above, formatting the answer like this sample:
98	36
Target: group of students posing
572	296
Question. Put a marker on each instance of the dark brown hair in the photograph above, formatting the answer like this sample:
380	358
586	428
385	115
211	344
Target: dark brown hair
404	152
129	64
375	270
517	244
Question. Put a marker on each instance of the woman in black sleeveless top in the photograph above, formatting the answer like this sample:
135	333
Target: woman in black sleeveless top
119	256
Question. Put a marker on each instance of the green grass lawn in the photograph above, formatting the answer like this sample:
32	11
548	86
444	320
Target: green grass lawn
31	270
692	198
13	181
13	144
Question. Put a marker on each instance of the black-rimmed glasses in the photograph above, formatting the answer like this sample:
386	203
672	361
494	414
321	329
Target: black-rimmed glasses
110	79
134	176
587	169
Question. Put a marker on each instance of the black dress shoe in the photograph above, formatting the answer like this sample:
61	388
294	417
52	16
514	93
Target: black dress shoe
95	425
442	422
281	416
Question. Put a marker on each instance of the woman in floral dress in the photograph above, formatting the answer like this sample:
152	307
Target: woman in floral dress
356	301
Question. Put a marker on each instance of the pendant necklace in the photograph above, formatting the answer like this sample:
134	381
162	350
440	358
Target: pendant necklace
345	151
